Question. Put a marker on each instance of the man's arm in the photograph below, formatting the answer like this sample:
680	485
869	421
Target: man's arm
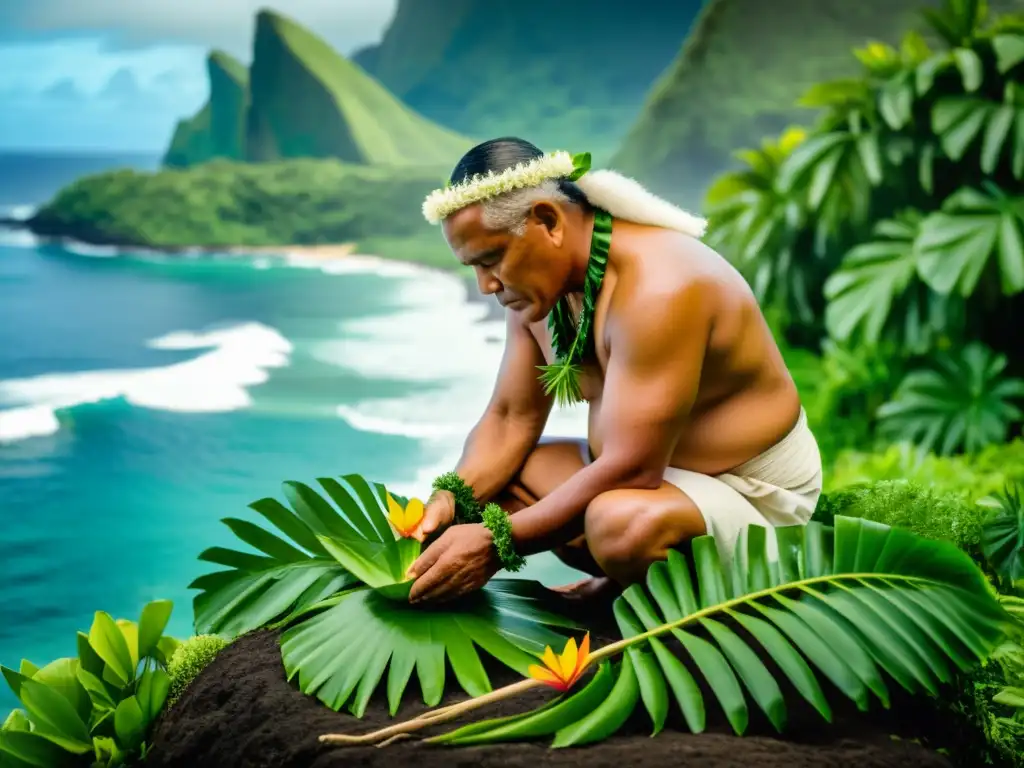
500	442
657	341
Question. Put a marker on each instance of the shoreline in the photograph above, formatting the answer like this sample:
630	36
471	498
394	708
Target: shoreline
326	253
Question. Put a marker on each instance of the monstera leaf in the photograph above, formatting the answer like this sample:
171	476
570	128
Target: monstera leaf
861	604
974	231
758	226
877	277
834	174
962	122
335	580
960	401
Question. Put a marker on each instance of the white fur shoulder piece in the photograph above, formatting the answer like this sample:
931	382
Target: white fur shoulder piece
627	199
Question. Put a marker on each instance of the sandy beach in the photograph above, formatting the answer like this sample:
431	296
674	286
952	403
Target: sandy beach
325	252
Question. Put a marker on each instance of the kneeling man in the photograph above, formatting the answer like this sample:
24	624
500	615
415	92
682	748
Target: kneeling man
610	298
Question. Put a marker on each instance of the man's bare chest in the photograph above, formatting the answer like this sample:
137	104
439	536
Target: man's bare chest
596	361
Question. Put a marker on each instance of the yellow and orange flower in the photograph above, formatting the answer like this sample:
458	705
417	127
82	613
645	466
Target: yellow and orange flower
405	521
562	672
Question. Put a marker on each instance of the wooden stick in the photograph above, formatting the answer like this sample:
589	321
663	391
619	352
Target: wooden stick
433	717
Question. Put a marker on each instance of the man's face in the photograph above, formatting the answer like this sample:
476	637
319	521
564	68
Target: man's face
527	273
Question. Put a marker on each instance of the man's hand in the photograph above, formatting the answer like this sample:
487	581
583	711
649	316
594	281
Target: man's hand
459	562
438	515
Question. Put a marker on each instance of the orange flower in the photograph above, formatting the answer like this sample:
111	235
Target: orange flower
405	521
563	671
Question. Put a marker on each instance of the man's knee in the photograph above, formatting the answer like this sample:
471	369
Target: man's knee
627	530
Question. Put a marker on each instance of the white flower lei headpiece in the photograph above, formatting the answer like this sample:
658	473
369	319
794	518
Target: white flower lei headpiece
442	203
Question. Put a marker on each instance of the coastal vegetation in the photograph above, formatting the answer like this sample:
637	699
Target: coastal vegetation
227	204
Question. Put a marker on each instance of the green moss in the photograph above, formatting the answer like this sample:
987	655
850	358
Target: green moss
309	101
191	658
926	512
304	202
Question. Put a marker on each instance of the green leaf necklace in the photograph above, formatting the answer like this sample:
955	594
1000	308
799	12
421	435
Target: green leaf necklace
571	342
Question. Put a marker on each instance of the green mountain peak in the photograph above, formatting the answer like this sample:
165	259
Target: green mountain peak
307	100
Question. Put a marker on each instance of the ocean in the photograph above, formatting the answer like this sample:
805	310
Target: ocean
144	397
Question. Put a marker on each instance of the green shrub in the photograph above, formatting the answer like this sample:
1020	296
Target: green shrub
99	705
191	658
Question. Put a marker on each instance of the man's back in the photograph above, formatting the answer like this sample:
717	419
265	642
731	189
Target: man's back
746	401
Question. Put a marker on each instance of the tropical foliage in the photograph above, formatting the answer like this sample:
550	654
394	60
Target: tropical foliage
861	603
332	576
95	708
895	226
1002	539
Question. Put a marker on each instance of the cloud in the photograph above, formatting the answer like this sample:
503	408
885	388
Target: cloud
75	94
37	66
64	90
227	24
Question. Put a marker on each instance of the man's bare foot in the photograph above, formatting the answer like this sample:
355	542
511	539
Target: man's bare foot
591	588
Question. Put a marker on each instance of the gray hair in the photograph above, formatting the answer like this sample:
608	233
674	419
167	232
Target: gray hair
508	212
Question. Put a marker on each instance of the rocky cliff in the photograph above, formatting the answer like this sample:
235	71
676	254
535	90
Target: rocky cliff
309	101
572	77
217	129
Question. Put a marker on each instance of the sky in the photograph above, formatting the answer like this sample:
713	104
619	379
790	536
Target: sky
116	75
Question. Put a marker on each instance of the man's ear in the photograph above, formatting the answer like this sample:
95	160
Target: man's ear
551	218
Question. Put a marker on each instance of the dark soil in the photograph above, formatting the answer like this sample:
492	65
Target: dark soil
241	712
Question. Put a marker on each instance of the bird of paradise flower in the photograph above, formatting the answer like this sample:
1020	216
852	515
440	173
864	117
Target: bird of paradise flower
562	672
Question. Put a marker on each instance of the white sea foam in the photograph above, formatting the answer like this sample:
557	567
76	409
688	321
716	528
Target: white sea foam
17	238
234	359
20	212
30	421
91	251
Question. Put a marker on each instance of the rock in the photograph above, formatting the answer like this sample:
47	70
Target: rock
241	712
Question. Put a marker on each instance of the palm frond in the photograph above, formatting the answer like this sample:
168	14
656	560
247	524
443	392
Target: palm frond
862	603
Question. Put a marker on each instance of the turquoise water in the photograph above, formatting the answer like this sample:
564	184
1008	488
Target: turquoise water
143	398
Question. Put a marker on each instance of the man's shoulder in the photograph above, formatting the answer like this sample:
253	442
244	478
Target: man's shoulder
661	269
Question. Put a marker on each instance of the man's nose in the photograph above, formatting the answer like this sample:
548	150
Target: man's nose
487	282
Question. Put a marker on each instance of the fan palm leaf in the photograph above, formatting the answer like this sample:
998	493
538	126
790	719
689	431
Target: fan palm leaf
341	654
1002	534
959	401
861	604
333	575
